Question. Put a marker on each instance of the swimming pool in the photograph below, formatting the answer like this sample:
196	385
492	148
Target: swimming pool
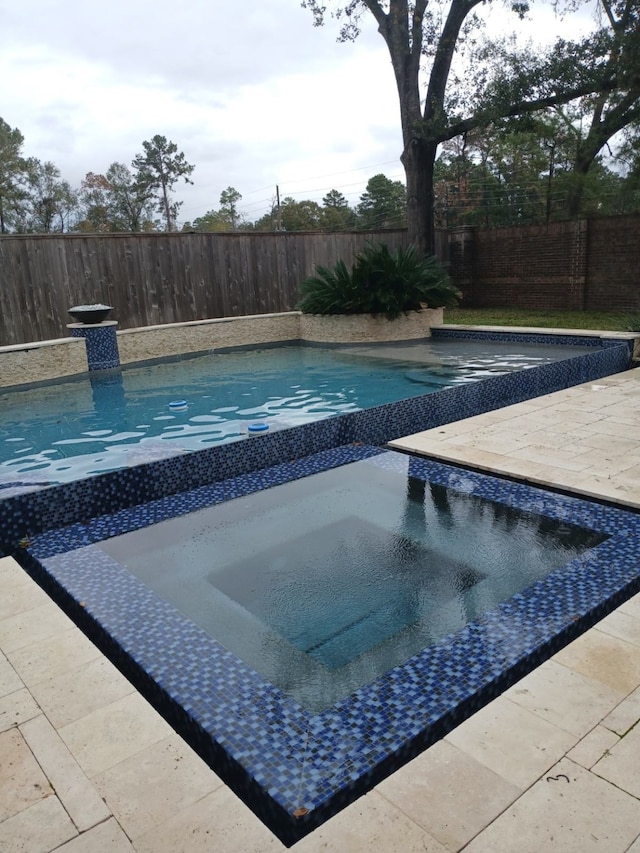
29	503
297	765
272	752
109	420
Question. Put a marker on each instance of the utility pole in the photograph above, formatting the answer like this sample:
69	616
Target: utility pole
278	218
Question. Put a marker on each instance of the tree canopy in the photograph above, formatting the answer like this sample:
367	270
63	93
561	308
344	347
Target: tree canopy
513	170
159	168
336	215
428	39
13	170
51	202
522	174
116	201
383	204
227	218
613	109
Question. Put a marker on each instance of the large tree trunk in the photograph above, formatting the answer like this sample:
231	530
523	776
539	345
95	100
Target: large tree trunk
167	208
418	160
403	31
576	187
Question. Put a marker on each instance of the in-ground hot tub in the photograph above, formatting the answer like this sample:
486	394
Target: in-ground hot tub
309	628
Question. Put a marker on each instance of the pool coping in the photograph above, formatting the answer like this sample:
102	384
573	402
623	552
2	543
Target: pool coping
317	766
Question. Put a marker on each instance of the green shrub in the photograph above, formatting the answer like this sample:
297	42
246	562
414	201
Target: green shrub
379	282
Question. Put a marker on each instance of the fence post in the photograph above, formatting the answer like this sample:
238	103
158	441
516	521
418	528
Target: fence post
579	259
461	262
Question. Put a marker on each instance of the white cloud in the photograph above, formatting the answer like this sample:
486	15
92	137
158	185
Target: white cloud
252	93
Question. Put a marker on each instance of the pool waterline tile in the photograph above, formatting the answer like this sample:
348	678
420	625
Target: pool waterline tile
281	759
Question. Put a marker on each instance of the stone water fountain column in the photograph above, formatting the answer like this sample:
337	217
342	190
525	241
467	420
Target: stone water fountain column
99	335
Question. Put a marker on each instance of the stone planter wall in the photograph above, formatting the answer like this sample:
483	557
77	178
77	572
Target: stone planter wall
43	361
363	328
25	363
199	336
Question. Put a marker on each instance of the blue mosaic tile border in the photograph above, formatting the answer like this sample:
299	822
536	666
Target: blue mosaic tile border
101	343
531	338
296	769
30	513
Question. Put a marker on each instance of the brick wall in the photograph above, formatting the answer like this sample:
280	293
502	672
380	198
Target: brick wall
571	266
614	264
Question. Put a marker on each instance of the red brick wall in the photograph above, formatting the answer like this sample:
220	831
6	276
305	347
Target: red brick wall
571	266
613	276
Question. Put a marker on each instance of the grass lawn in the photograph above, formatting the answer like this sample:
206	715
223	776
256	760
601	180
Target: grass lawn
597	320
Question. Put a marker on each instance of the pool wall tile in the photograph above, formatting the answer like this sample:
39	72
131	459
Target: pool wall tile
528	337
101	343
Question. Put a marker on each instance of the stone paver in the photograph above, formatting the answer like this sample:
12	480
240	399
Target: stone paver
608	659
566	698
79	797
625	626
625	715
81	690
569	810
632	606
515	743
429	790
10	681
155	784
107	837
18	592
16	708
113	733
620	763
42	827
32	626
593	746
51	657
22	782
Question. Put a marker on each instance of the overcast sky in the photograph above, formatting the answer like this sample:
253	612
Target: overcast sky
252	93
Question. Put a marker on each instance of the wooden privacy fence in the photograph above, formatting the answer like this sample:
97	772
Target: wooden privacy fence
153	279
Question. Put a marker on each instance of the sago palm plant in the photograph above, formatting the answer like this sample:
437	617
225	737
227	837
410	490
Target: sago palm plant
379	282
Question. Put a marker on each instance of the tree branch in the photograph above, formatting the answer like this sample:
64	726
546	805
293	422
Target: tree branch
523	108
378	13
416	27
443	58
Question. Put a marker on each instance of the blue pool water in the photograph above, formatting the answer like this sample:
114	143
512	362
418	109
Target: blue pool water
89	425
325	583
